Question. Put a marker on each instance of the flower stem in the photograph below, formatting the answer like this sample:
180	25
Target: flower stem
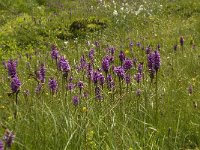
16	105
157	105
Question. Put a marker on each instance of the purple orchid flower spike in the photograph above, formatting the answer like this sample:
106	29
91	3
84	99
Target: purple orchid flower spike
75	100
53	86
12	68
15	84
8	138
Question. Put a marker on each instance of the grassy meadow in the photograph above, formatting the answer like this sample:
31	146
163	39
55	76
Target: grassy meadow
99	74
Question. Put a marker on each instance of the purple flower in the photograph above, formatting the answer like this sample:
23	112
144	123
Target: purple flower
128	64
54	52
42	73
148	50
75	100
1	145
175	47
121	56
9	138
15	84
80	85
190	89
112	50
38	88
119	71
105	64
70	79
70	86
158	47
138	77
91	54
110	82
150	60
96	43
53	85
128	79
156	60
153	63
181	41
101	79
89	71
131	44
98	95
64	64
138	44
82	62
140	67
111	59
12	68
95	77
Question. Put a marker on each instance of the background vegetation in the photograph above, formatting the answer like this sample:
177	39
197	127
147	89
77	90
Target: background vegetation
28	28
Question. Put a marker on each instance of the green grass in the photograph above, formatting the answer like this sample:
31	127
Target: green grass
120	121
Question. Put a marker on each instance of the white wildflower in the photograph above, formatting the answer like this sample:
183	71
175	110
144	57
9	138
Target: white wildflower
115	13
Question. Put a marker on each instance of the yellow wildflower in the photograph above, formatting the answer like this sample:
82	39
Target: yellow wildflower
126	51
10	118
110	92
2	107
84	109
